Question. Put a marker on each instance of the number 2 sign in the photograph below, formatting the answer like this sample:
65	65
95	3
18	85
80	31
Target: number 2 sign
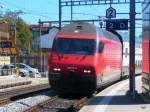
110	13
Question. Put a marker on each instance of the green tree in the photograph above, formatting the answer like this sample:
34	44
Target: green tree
23	32
23	36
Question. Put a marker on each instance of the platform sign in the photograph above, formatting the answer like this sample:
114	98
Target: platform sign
117	24
110	13
6	44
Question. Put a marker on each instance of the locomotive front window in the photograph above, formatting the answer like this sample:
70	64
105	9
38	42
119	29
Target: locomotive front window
75	46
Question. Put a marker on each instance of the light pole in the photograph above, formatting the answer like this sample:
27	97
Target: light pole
40	46
14	16
71	10
14	29
1	6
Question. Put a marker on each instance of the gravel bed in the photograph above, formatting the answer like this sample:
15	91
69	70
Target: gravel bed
24	104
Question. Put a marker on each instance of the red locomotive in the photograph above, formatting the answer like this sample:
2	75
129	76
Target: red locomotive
84	57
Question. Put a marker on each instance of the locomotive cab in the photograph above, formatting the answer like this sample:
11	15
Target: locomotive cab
72	65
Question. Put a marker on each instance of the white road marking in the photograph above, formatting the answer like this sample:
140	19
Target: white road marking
106	100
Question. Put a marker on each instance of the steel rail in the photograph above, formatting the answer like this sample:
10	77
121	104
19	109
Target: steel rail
72	105
5	97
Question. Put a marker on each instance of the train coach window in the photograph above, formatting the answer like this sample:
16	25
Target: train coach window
100	47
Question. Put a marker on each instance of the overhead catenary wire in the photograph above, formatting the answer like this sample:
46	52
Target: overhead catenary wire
47	15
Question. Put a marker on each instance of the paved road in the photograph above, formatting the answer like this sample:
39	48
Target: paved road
114	99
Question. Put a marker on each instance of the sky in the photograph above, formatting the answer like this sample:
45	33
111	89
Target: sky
47	10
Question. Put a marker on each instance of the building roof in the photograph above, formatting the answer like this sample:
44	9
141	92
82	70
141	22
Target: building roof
47	39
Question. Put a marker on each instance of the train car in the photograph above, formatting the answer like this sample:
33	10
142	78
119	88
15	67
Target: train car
146	48
84	57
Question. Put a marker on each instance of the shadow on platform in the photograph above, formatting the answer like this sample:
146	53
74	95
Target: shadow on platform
116	100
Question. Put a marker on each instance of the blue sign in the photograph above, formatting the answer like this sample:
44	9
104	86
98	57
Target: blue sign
6	44
117	24
110	13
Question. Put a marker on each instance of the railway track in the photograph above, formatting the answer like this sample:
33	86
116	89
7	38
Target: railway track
53	104
57	104
7	96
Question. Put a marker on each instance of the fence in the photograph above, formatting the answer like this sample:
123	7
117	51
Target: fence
4	72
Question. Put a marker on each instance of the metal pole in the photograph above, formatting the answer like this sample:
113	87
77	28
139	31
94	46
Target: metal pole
15	39
71	11
110	2
40	43
132	49
60	13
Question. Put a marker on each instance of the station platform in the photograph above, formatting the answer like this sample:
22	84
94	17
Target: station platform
116	99
11	86
13	81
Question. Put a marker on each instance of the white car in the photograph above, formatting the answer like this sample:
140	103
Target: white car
26	70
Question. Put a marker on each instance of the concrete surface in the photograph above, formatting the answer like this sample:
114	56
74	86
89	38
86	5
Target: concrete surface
115	99
12	81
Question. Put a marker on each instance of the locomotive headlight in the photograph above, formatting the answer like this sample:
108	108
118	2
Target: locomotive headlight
87	71
57	69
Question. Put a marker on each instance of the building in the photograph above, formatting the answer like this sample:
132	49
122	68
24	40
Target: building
36	30
47	39
41	47
46	43
35	54
8	48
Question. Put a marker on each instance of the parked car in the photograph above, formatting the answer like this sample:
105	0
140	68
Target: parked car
26	70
